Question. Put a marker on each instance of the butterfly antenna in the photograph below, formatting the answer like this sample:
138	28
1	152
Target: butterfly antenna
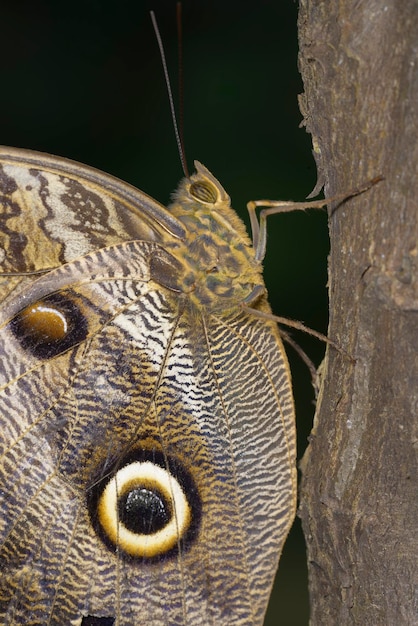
181	78
170	93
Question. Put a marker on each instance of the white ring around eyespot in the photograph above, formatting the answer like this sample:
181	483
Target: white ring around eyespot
150	475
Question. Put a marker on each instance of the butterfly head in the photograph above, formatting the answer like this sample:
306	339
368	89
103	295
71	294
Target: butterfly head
221	270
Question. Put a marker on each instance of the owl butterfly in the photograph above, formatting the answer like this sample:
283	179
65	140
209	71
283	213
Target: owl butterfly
147	425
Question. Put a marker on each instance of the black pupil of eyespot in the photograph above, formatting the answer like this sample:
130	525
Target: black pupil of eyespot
92	620
143	511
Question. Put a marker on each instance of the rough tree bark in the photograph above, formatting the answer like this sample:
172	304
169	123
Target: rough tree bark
359	504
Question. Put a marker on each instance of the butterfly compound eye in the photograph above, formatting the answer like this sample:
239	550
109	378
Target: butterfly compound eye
204	192
49	326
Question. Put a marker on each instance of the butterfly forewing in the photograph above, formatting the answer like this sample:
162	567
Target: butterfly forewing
54	210
147	449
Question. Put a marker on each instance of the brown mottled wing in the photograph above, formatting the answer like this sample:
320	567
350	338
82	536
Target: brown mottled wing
140	382
54	210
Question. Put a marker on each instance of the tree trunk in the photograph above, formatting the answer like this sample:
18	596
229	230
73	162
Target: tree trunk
359	504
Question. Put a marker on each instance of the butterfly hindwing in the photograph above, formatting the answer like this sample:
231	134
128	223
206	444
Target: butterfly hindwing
147	437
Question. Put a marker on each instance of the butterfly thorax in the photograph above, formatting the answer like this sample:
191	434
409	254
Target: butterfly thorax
219	269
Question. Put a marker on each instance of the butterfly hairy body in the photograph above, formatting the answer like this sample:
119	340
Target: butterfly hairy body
147	440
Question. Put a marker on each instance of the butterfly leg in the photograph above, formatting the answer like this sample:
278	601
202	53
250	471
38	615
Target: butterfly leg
272	207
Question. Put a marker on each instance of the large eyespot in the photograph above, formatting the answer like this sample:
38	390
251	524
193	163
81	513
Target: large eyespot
204	192
49	326
147	508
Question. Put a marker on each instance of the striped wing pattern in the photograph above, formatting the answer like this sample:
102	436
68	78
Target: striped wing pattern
149	375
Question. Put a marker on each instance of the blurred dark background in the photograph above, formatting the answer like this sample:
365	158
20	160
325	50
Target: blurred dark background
84	80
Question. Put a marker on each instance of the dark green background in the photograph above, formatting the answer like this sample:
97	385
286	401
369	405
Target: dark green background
84	80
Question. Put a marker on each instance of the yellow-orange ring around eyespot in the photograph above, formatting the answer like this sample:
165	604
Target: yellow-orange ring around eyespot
147	474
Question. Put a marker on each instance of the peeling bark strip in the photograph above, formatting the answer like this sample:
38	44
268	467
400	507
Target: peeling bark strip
359	63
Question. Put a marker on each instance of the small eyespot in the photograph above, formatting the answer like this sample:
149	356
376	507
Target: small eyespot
204	192
147	508
49	326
